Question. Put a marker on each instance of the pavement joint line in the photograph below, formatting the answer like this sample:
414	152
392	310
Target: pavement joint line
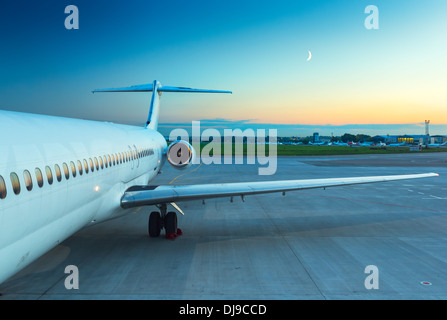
283	237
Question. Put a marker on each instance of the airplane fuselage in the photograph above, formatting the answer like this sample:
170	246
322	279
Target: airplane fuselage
58	175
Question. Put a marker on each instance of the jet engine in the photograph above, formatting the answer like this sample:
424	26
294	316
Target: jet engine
181	154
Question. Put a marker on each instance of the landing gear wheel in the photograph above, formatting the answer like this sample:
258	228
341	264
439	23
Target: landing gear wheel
154	226
171	225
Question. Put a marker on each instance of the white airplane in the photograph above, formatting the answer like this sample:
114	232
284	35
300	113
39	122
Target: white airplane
380	144
58	175
397	144
339	143
321	143
437	145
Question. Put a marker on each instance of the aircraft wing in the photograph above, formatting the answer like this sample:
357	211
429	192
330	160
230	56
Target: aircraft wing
137	196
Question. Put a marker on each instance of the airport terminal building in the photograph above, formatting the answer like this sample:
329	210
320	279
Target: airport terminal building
410	139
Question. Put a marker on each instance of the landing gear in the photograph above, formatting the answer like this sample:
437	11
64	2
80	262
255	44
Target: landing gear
163	219
155	224
171	225
171	222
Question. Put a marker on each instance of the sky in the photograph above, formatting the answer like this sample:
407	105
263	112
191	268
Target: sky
373	81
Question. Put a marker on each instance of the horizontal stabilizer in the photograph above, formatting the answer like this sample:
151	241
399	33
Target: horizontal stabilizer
156	88
182	89
150	88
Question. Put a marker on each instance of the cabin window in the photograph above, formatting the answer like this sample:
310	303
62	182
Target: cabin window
66	171
39	177
91	164
110	160
57	169
49	175
2	188
105	162
80	168
73	169
28	180
113	159
96	163
85	166
15	183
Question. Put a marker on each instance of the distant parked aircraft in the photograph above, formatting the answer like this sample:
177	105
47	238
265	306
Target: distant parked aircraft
366	144
318	143
338	143
437	145
397	144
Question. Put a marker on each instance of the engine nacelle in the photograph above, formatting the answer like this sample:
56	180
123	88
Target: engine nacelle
181	154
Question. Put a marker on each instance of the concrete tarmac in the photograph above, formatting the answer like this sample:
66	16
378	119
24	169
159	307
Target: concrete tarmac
312	244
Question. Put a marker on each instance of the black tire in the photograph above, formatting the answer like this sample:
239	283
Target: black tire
154	226
171	223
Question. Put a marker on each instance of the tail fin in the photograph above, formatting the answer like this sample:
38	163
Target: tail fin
156	88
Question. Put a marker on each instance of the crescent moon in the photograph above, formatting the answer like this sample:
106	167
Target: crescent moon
310	56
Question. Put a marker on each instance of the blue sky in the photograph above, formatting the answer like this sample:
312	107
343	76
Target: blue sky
378	79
